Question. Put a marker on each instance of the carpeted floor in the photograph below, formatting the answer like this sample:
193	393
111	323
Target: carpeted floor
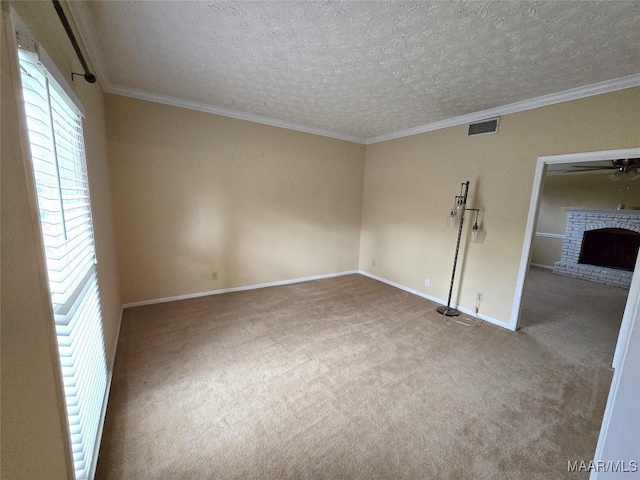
348	378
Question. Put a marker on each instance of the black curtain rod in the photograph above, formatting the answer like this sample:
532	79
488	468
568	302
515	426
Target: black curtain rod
88	76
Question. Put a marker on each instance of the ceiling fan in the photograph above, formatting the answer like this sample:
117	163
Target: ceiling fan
627	168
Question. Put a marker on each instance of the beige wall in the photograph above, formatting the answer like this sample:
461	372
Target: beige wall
410	185
545	251
33	423
196	193
580	191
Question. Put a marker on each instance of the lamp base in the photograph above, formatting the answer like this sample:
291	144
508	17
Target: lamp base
448	311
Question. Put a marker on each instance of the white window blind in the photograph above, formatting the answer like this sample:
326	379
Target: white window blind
60	174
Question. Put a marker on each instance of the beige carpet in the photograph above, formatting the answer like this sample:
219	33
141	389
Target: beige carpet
348	378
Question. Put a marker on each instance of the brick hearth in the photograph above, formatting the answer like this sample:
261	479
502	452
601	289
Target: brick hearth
580	220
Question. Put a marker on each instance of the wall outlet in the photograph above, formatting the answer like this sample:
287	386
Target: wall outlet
214	275
373	263
427	282
479	297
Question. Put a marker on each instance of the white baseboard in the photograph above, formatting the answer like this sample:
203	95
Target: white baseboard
539	265
435	299
237	289
467	311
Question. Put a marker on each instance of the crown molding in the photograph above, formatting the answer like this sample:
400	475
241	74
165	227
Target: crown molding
225	112
554	98
82	18
560	97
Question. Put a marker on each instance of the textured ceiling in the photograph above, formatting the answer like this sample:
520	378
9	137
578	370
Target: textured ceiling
363	69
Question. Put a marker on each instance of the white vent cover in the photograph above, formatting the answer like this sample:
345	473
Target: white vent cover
484	127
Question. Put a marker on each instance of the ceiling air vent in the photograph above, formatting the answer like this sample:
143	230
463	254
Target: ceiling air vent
484	127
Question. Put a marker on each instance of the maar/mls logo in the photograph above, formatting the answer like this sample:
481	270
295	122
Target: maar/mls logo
619	466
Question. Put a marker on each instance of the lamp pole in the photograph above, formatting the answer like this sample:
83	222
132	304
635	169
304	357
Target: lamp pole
458	210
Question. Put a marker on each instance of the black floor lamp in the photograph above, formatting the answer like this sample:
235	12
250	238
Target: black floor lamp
457	213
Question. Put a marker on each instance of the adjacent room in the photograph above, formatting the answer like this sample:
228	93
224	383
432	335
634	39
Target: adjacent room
571	306
320	239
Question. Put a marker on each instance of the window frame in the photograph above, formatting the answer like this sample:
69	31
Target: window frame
14	26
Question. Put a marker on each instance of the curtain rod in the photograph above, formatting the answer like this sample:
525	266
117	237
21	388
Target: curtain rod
88	76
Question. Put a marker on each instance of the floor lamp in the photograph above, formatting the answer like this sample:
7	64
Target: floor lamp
457	213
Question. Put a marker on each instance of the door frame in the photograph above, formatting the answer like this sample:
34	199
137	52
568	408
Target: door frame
534	206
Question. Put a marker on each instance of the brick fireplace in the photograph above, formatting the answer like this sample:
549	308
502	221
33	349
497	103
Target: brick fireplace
620	228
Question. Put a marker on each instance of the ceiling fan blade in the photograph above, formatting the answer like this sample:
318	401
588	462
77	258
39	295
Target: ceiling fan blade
576	169
628	168
581	170
587	167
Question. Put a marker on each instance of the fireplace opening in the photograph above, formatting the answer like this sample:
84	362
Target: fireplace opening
610	247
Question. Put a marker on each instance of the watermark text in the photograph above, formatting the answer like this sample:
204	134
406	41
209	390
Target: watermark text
618	466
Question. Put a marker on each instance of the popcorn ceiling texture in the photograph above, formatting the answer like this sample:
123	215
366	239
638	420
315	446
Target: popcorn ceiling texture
365	68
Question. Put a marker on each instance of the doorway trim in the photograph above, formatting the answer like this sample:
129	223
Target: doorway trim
534	205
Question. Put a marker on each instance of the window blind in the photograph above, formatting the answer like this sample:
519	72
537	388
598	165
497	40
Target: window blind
60	174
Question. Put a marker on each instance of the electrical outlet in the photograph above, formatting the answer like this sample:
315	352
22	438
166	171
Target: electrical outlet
427	282
479	297
214	275
373	263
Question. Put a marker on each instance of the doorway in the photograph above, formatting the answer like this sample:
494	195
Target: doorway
543	163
